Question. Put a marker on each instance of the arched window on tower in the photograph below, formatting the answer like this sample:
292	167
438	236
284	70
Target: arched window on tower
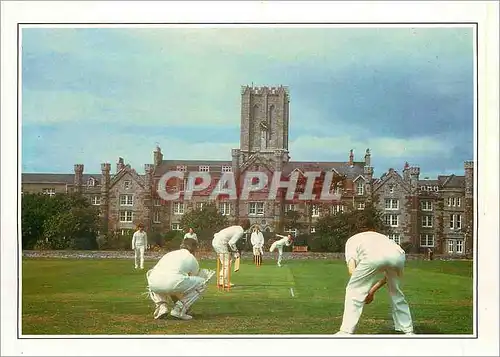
252	125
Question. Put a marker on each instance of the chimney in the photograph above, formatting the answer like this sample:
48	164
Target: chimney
78	177
157	156
351	158
406	172
120	164
368	158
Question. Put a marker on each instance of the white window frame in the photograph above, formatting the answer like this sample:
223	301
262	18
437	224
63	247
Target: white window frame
455	221
389	204
427	221
199	205
458	201
396	238
126	216
313	230
91	182
127	184
337	209
227	168
361	206
126	200
292	231
183	184
426	238
289	207
426	205
95	200
360	188
175	227
225	208
181	168
256	208
315	211
178	208
156	202
451	246
204	168
49	191
459	243
390	218
156	217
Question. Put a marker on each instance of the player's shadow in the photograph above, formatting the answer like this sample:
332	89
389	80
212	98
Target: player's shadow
419	329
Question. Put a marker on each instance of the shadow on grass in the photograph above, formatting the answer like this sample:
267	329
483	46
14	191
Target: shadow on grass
420	329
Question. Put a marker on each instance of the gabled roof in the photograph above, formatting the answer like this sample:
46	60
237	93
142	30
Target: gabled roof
387	176
124	171
342	168
451	181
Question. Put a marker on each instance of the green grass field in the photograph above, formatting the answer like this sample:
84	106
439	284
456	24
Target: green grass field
104	297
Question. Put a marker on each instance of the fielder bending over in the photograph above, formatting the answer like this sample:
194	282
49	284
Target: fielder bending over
368	254
224	242
177	276
285	240
257	240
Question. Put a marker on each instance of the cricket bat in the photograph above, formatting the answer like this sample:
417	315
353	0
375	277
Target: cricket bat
237	264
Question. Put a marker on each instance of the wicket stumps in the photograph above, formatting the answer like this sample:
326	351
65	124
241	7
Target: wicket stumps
258	260
224	271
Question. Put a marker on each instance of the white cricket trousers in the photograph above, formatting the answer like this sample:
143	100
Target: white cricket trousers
186	289
225	260
280	251
360	283
139	256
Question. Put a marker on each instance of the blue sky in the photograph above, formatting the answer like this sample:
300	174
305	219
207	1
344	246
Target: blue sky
92	95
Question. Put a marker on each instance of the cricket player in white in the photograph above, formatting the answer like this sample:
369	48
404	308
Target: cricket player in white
177	276
139	244
368	254
224	242
285	240
257	240
191	235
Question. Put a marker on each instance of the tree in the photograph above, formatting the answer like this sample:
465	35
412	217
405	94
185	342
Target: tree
205	221
333	230
40	212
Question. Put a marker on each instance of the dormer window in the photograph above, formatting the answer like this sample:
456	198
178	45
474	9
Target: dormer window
91	182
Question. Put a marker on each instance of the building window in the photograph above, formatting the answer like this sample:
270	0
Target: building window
225	208
313	230
454	202
460	246
458	201
199	205
156	217
226	168
391	188
455	221
127	184
360	188
157	202
451	245
178	207
427	240
315	210
49	191
95	200
391	204
256	208
292	231
126	200
183	185
436	188
426	205
396	237
361	206
91	182
391	220
125	232
204	168
126	216
289	207
176	227
337	209
181	168
427	221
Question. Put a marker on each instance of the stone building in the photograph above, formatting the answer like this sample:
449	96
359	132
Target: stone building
435	214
